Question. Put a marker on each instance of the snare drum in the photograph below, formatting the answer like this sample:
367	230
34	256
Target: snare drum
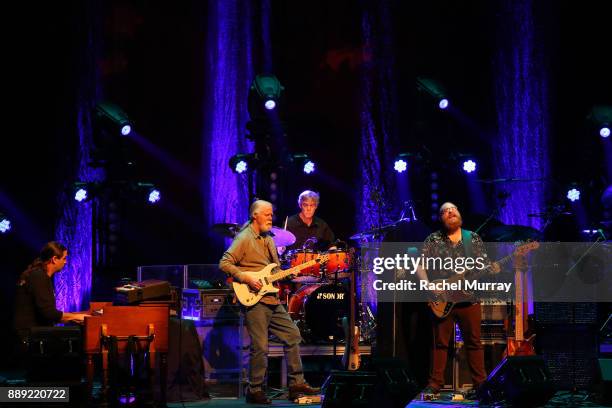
320	309
310	274
339	261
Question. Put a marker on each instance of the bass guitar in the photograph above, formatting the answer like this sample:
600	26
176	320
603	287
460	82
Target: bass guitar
442	304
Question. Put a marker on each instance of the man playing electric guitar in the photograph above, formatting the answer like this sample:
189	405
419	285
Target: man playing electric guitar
252	250
454	242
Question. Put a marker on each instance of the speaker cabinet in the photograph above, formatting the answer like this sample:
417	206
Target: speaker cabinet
519	381
389	383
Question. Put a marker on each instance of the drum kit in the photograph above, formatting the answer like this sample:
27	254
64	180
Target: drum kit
318	298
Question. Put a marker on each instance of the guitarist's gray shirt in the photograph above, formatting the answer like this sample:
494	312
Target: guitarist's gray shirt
250	252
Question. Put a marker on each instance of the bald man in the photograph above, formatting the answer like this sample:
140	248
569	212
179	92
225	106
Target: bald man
252	250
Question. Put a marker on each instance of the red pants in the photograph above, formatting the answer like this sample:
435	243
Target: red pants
468	316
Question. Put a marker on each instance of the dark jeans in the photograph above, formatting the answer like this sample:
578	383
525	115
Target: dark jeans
469	317
261	320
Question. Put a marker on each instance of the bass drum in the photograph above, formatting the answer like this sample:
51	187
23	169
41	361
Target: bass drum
318	309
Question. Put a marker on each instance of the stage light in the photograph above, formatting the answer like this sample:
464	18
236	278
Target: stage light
434	89
270	104
400	165
469	166
241	167
5	224
154	196
241	163
309	167
600	120
113	118
80	195
302	161
573	194
84	191
265	91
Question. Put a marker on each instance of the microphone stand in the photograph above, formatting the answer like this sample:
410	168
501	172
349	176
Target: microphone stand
496	212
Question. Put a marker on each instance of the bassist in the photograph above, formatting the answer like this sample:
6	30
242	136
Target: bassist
454	242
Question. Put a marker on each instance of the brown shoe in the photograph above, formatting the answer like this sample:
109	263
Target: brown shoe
257	397
299	390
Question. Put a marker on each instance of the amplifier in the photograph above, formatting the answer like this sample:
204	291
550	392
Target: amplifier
145	290
203	304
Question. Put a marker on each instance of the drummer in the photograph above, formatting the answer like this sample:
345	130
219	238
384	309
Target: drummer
310	232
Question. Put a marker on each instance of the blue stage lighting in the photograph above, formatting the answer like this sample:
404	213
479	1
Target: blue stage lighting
469	166
80	195
604	132
573	194
154	196
270	104
309	167
443	104
241	167
5	225
400	165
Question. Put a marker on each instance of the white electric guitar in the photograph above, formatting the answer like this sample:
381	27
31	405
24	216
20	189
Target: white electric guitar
248	297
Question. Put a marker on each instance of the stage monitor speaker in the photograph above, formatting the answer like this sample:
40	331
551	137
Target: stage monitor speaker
389	383
519	381
605	383
349	389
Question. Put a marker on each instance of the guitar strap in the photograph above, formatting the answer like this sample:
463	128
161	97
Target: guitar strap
466	238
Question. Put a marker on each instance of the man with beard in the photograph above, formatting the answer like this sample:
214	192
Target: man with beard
251	251
451	241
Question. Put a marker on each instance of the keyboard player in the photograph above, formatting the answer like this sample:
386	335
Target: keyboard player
35	297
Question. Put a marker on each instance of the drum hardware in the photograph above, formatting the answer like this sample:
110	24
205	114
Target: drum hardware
320	308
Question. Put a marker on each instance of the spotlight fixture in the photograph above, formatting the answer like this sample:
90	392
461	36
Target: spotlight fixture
402	161
83	191
241	163
5	224
309	167
600	118
151	193
303	161
469	166
154	196
265	91
113	118
573	194
434	89
400	165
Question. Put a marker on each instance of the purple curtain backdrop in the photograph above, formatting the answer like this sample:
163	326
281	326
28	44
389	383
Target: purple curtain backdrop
74	226
522	103
230	72
378	126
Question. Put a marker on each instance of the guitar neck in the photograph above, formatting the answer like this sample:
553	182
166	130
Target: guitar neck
476	273
518	305
292	271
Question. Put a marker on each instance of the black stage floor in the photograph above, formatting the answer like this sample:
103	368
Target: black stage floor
561	399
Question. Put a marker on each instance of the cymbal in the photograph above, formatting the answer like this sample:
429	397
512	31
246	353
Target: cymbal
511	233
305	279
377	231
226	229
282	237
